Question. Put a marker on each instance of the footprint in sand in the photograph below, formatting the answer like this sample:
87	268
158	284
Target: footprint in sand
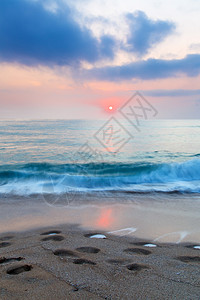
82	261
137	267
65	252
137	251
94	235
18	269
144	244
88	235
51	232
56	238
119	261
4	244
6	238
4	260
195	247
189	259
88	250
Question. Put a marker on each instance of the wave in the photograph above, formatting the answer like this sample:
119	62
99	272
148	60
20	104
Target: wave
36	178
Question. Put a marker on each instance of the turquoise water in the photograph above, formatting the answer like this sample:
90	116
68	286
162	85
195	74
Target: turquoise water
38	155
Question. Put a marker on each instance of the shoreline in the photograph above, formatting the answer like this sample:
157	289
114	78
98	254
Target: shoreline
173	219
63	262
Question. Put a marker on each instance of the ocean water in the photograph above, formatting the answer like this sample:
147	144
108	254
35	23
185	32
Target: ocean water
67	156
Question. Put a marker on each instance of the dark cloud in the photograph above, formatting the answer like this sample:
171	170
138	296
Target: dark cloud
149	69
32	35
145	33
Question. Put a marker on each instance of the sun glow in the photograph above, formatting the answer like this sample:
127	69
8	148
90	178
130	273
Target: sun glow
111	105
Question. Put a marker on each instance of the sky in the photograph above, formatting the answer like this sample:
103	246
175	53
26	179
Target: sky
65	59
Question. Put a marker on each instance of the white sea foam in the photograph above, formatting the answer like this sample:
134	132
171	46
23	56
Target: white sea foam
150	245
72	178
197	247
98	236
181	235
124	231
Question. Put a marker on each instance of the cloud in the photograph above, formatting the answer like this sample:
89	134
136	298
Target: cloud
146	33
195	47
148	69
31	34
34	32
171	93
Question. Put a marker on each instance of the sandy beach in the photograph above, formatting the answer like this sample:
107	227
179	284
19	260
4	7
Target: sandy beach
151	249
64	262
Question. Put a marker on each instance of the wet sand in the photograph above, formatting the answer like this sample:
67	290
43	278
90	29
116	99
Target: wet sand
173	219
64	262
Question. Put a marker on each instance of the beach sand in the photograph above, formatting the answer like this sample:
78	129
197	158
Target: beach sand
64	262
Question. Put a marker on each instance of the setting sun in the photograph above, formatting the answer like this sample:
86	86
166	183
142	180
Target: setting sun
110	107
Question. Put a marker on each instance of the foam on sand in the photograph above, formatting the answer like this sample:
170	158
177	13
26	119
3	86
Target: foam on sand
98	236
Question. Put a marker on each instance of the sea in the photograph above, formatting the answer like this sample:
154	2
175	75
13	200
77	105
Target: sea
60	157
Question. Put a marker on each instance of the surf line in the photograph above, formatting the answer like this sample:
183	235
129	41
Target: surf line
127	231
182	235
